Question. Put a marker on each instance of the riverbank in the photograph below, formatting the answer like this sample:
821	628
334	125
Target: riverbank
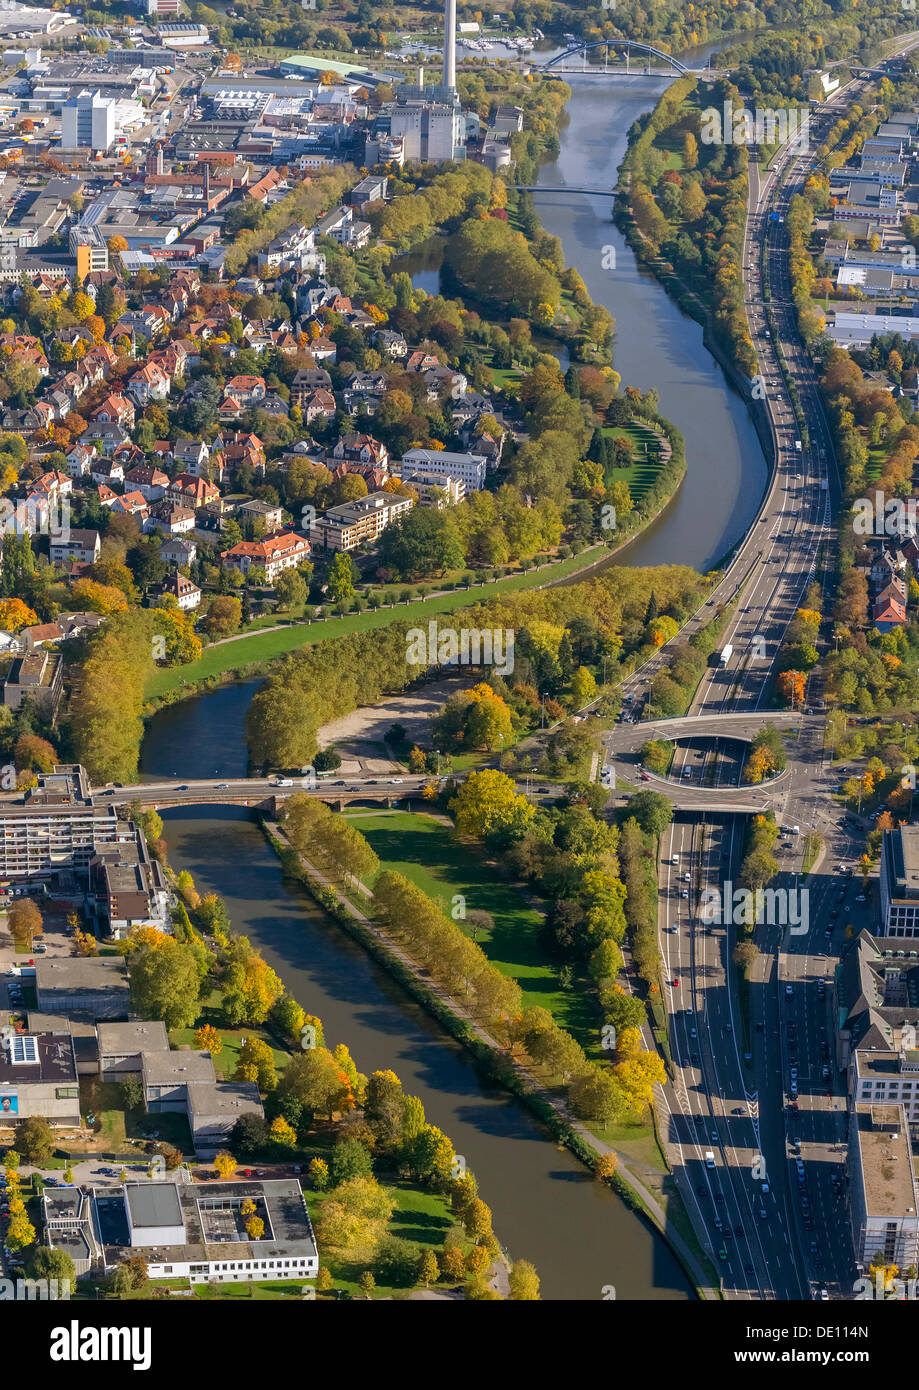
487	1051
248	654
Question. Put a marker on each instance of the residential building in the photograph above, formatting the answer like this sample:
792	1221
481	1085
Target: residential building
273	554
469	468
84	546
186	594
360	522
150	482
38	677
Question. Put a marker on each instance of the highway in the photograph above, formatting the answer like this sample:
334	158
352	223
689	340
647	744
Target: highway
752	1117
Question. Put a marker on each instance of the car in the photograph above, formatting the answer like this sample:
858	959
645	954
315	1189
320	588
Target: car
822	1296
722	1253
282	782
861	898
183	787
788	989
543	789
40	949
684	893
643	777
51	1182
794	1073
805	1204
714	1136
222	787
687	878
760	1028
765	1187
700	1191
738	1230
738	1110
793	1105
727	1233
719	1198
676	984
748	1269
396	781
109	792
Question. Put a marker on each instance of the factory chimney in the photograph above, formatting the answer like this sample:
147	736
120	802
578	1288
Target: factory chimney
449	79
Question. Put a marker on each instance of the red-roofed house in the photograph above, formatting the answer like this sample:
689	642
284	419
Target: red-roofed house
273	554
115	409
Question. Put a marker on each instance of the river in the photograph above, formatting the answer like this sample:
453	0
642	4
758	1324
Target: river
547	1207
580	1237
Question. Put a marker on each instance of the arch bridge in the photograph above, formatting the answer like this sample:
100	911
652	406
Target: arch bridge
623	46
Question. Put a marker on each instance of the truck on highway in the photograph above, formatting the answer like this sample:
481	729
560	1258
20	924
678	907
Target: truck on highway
726	654
798	445
709	1159
824	485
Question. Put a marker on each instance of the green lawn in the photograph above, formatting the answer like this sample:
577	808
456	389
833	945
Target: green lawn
228	1060
425	851
644	471
262	647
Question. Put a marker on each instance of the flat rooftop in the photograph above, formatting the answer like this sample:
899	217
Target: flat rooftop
210	1215
37	1057
885	1156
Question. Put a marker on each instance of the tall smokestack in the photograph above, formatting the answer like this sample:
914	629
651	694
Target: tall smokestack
450	43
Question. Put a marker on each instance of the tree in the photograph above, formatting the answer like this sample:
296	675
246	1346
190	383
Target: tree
35	1140
428	1268
319	1174
283	1133
84	943
225	1165
46	1263
256	1063
25	922
583	688
350	1159
255	1228
524	1282
606	1166
652	811
165	983
324	1280
488	802
132	1093
341	577
223	615
208	1039
367	1283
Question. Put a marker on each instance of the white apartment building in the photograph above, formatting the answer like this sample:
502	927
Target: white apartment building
469	468
359	522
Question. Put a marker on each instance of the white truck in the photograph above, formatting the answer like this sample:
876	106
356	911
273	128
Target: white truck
798	445
726	654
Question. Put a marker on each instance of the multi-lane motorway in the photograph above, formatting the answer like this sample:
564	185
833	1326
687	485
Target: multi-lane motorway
754	1112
